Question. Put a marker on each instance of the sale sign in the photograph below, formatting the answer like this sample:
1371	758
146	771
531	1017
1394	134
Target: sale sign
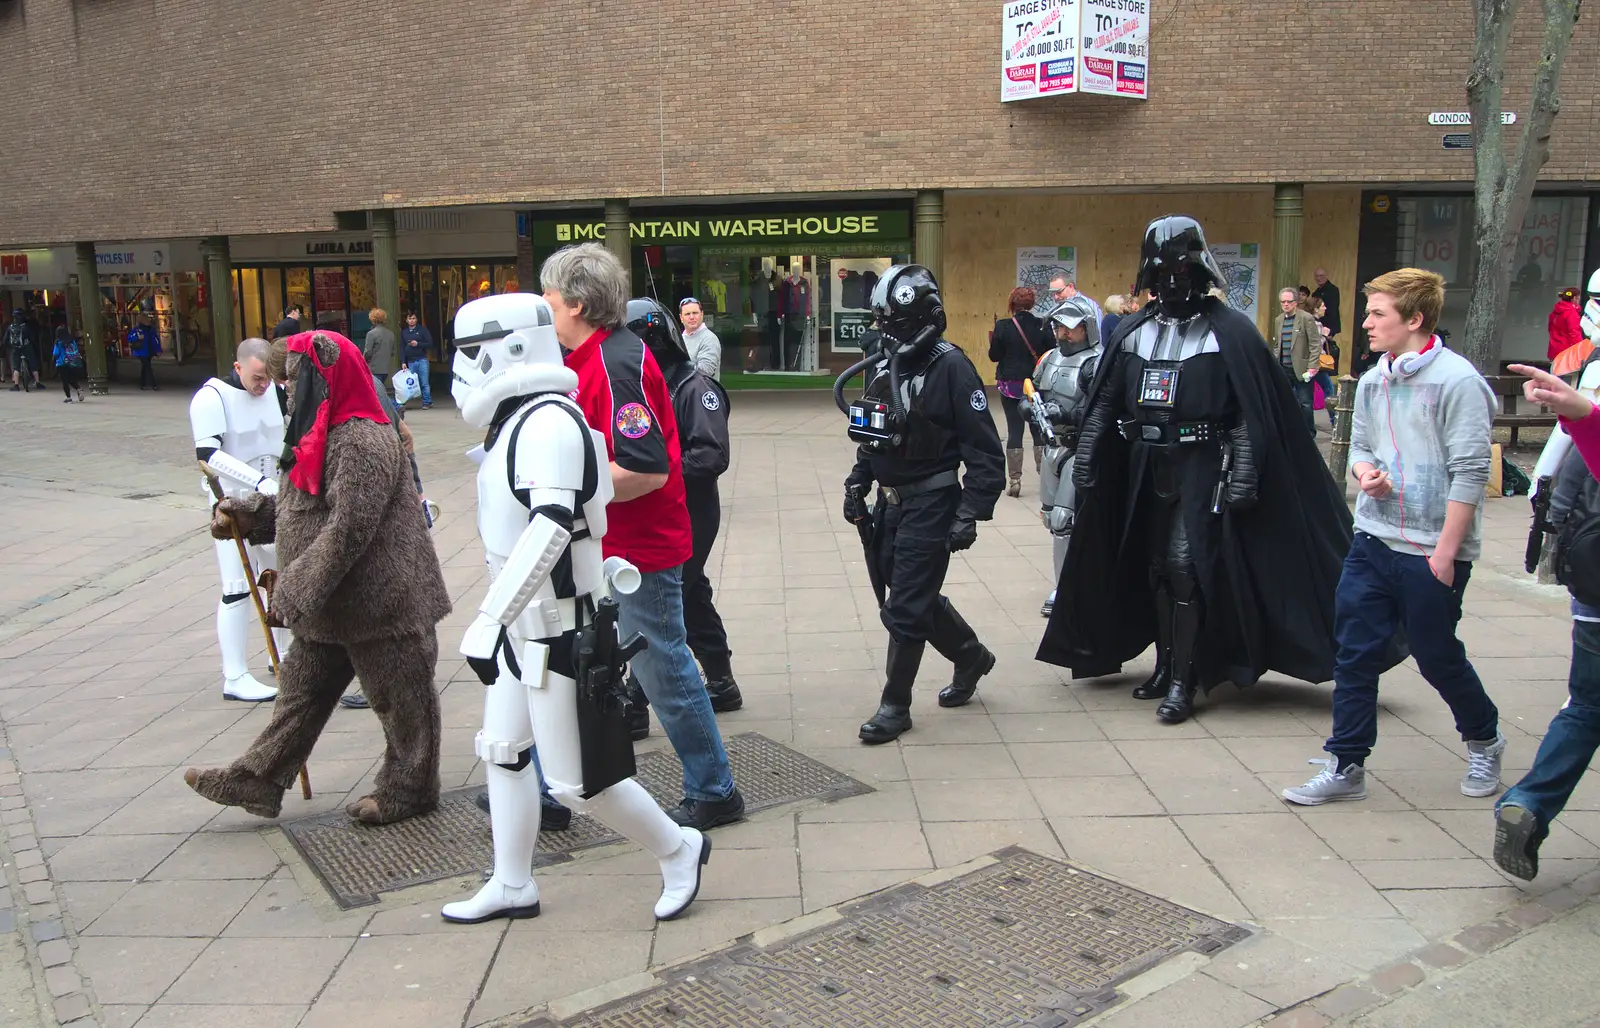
1116	38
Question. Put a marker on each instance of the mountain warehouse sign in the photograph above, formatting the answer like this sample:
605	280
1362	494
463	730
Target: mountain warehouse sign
837	226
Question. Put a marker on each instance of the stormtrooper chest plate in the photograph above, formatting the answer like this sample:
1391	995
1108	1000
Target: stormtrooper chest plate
254	433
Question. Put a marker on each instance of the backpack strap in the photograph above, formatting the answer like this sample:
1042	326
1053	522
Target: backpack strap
591	463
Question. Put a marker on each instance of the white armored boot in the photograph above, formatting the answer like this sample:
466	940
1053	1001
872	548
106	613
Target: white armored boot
512	892
627	809
234	621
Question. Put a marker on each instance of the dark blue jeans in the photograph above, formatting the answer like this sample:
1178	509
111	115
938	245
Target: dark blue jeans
1572	738
421	368
1380	592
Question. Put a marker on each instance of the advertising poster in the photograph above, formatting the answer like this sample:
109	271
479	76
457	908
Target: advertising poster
1116	48
1039	45
1241	263
1037	265
1438	239
852	285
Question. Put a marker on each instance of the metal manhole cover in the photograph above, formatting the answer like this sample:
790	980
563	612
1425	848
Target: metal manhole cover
1026	941
356	862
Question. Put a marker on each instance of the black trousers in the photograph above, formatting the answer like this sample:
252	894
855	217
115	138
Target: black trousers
1014	423
147	374
707	638
911	544
773	332
794	337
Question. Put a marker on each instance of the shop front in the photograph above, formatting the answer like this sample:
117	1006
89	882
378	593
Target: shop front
786	289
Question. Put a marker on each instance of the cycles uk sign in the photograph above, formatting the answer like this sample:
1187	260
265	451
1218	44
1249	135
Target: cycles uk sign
1074	46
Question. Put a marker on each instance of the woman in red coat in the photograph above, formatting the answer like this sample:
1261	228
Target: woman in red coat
1564	322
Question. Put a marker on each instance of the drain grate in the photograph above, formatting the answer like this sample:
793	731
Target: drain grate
356	862
1025	941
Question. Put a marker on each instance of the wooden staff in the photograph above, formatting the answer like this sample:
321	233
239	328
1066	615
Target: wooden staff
255	594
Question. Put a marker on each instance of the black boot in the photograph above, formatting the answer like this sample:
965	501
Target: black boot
1156	686
893	718
720	686
638	710
1179	704
958	643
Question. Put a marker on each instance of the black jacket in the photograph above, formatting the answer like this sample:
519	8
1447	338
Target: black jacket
286	328
1328	293
701	406
1013	355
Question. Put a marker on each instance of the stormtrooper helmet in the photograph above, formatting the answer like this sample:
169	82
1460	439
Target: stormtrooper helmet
1070	314
498	341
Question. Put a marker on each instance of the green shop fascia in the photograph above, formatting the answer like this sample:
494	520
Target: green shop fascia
784	288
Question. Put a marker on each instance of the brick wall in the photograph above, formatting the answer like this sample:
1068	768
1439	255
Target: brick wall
161	118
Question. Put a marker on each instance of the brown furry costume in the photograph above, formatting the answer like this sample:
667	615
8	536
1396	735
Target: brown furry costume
361	588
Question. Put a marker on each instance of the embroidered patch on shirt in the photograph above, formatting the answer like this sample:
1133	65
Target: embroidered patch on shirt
633	421
709	400
979	401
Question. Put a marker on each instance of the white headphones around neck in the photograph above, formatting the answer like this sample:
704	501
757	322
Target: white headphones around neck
1408	364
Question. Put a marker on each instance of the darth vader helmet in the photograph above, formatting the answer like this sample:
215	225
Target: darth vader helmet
910	313
650	321
1069	315
1176	265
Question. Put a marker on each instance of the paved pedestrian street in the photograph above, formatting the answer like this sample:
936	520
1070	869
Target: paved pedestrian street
128	899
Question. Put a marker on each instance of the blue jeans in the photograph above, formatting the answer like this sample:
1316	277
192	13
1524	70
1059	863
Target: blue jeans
1307	399
421	369
671	681
1570	741
1380	592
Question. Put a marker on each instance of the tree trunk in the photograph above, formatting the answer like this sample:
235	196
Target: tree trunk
1502	189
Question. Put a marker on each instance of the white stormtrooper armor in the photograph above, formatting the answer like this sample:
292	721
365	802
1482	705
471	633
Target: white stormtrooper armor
1061	382
541	539
241	437
1556	447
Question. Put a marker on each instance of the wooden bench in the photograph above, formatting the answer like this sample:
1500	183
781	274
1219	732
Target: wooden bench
1515	410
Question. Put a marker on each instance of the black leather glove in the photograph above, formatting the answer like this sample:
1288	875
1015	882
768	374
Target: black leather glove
487	669
856	509
963	533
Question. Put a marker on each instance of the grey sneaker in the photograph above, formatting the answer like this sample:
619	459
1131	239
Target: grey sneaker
1483	767
1330	784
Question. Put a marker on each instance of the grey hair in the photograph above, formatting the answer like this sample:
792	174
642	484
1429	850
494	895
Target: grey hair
1292	290
589	274
252	349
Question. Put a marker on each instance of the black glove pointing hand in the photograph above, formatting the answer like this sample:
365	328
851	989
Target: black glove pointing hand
963	533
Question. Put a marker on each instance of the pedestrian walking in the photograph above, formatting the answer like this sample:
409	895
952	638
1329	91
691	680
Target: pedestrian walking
1328	293
700	405
1299	343
1525	813
624	396
1326	362
20	346
1015	345
290	325
1565	323
378	346
704	348
144	342
68	357
1116	306
416	344
1419	449
1063	288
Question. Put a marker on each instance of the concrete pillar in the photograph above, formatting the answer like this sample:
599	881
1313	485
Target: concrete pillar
929	229
94	326
1288	224
386	272
219	286
617	233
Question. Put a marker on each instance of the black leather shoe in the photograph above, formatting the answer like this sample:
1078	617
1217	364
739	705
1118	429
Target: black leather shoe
1179	704
708	814
965	683
553	817
724	693
1156	686
887	725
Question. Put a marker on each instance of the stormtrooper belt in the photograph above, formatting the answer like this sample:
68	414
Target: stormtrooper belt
897	494
1167	435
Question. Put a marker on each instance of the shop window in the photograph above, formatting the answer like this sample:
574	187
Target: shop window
331	300
505	278
297	289
272	303
480	280
249	295
1436	233
363	297
451	296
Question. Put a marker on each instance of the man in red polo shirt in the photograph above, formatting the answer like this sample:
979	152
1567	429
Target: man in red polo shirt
623	394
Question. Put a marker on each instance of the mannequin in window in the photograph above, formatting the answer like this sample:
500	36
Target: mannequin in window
796	294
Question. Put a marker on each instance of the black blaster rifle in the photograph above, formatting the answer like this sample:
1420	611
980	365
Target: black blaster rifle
1541	524
601	661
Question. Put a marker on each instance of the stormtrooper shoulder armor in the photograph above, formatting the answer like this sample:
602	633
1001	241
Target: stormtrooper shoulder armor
549	452
208	416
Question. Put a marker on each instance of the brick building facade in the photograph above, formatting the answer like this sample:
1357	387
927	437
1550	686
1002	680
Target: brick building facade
280	128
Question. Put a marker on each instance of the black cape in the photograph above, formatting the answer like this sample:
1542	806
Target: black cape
1267	578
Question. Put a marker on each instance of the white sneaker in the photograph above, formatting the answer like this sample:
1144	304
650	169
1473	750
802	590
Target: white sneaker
493	901
1483	767
1330	784
680	875
246	689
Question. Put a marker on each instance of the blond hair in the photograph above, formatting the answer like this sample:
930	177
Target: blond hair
378	316
1414	292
